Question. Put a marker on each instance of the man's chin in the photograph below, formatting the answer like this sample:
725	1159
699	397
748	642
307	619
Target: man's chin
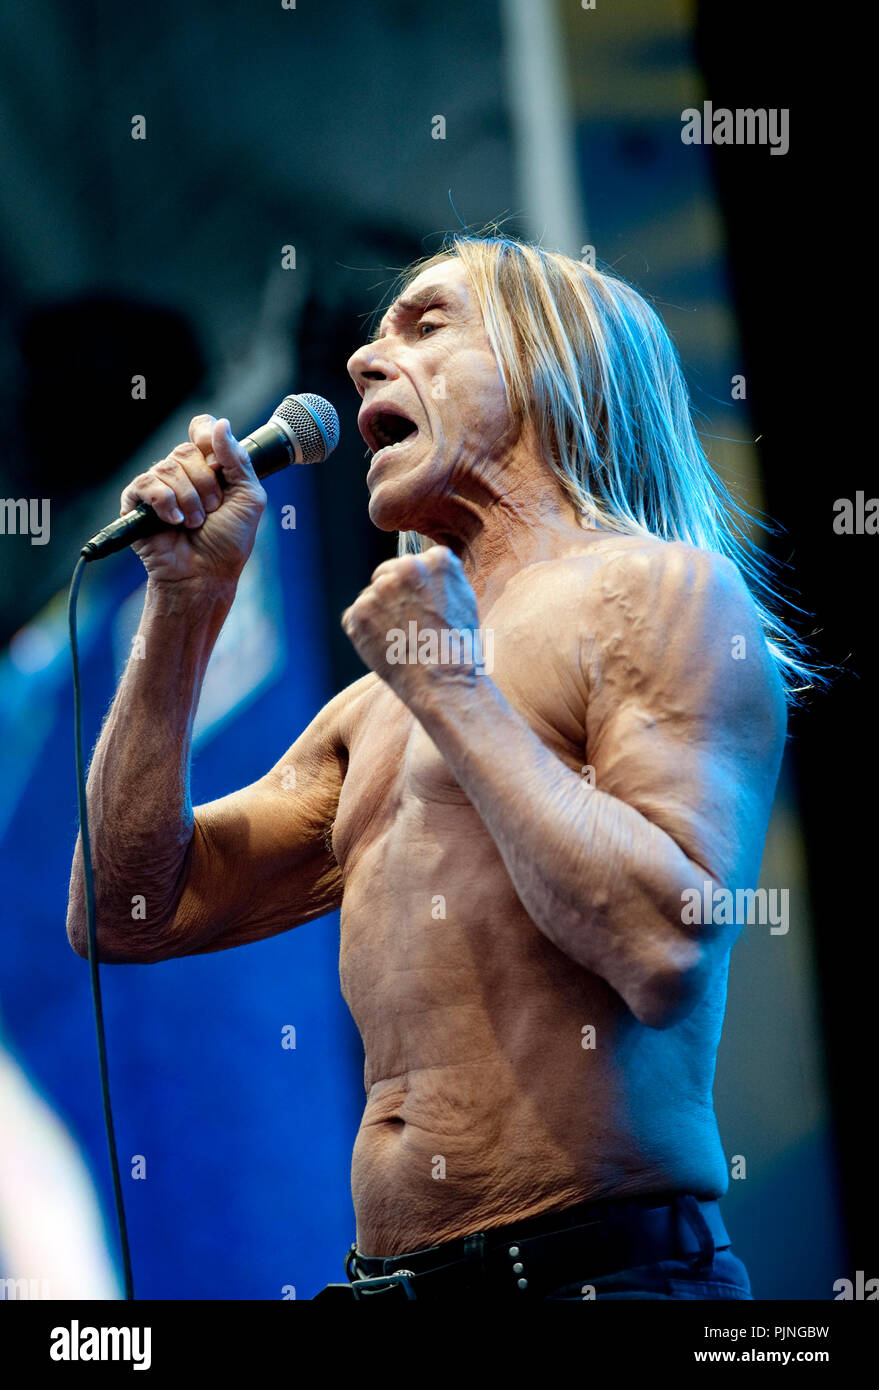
391	513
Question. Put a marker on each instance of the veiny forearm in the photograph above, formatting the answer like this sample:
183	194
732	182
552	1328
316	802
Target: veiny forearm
599	880
140	813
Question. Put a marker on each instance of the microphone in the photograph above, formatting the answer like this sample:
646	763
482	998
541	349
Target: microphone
303	429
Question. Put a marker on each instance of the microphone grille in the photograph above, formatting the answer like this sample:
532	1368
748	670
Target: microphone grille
313	421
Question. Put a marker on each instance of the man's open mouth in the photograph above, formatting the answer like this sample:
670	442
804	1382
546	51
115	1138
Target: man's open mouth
388	431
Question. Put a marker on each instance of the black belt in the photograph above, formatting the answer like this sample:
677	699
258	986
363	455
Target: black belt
527	1259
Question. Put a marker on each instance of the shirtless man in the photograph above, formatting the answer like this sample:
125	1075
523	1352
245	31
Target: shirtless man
509	849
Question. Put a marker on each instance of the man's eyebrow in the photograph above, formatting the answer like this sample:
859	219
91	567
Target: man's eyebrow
421	299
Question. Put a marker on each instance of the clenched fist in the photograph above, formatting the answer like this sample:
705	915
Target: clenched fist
417	623
214	527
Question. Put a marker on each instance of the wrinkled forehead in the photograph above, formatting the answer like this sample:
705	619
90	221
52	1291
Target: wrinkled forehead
445	286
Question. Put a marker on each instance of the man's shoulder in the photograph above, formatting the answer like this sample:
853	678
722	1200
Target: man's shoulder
667	577
641	606
670	622
644	573
334	723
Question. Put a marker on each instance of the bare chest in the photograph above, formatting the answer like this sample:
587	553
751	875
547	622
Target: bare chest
398	779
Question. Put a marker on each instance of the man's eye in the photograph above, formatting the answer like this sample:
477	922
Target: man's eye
425	323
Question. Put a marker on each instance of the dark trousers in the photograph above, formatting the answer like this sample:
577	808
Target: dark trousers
665	1246
724	1277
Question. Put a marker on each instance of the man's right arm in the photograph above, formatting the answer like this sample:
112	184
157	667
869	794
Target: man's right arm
170	880
261	859
173	881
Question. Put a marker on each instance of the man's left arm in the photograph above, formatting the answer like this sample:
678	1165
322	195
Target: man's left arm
684	733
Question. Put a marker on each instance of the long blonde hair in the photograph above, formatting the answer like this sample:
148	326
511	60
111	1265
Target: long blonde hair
589	362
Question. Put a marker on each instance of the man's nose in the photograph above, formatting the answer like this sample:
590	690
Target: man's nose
370	363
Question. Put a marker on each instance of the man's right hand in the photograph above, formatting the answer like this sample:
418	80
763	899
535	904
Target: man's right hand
219	524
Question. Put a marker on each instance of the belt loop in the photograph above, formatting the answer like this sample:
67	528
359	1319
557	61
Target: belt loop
688	1207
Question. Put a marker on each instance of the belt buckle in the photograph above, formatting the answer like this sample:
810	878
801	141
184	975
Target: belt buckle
381	1283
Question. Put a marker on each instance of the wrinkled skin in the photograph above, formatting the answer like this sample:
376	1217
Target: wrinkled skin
539	1024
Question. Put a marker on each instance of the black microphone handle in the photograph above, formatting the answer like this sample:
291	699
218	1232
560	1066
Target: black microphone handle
269	450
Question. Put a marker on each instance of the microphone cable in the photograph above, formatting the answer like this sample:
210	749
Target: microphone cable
89	882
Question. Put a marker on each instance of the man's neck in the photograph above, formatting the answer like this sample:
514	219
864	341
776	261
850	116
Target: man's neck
496	542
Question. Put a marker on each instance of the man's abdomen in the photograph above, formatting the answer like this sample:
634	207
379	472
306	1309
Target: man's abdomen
502	1078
